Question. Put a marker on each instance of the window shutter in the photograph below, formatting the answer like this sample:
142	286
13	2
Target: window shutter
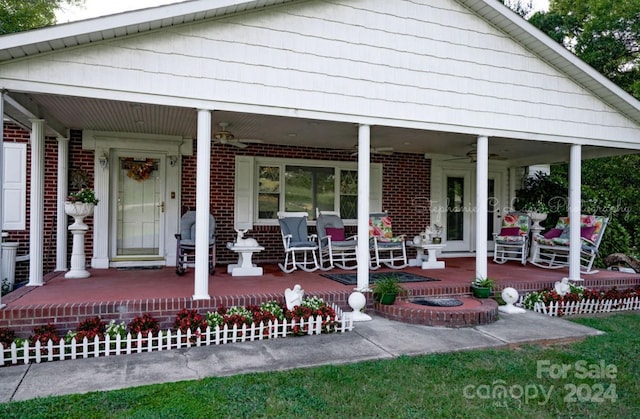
375	187
14	186
244	195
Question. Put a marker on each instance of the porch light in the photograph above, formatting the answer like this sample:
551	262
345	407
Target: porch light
104	161
172	160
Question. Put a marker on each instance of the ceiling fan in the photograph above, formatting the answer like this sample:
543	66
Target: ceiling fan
383	151
472	155
225	137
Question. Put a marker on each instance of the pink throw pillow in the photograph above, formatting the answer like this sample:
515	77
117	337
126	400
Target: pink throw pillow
553	233
337	234
510	231
587	232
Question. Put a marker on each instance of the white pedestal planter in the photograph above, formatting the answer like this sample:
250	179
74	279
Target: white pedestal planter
78	229
537	218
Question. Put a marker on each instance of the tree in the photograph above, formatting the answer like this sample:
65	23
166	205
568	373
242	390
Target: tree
606	35
22	15
521	7
603	33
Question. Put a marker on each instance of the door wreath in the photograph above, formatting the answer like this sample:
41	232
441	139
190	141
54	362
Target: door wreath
139	170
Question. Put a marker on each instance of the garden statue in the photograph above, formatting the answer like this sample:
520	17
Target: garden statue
293	297
562	287
241	241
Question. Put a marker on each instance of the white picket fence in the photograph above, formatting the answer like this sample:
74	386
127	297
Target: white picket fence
588	306
36	353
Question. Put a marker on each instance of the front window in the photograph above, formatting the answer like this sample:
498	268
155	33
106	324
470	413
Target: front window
295	185
268	191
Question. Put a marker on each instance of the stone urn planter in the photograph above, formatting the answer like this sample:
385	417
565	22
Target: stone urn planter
78	210
537	218
79	206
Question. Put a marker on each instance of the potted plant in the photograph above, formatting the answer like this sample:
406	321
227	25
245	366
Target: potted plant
386	289
84	195
481	287
80	205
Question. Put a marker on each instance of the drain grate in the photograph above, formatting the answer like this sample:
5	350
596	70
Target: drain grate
437	302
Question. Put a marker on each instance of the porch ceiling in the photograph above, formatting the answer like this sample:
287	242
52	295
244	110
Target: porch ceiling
66	112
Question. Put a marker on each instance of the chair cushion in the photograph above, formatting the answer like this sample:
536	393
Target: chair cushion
553	233
336	234
509	239
510	231
296	227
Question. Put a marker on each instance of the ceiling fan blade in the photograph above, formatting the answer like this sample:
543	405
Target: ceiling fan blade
250	140
496	157
238	144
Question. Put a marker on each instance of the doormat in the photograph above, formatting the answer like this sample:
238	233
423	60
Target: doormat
352	279
138	268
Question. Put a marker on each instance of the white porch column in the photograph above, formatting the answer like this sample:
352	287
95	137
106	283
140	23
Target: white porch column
61	226
364	151
1	175
36	202
482	194
203	183
575	197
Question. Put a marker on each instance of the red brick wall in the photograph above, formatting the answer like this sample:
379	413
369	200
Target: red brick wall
405	176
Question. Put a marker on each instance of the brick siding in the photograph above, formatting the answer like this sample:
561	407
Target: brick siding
405	177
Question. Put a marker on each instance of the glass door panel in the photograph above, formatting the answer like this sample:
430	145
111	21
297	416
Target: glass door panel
139	207
458	216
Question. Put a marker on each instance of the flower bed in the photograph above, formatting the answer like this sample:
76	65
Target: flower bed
94	337
581	300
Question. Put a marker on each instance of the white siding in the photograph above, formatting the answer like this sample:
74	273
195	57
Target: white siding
426	62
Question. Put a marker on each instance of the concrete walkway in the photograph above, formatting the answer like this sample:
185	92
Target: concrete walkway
376	339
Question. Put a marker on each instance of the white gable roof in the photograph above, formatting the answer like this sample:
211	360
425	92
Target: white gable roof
442	65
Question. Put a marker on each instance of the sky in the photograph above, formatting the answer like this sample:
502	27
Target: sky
95	8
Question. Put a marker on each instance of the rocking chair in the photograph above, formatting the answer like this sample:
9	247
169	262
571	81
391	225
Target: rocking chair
299	247
513	240
186	243
387	249
335	248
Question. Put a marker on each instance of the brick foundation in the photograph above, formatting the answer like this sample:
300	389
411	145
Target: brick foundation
472	312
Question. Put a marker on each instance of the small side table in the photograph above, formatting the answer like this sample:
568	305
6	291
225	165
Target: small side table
244	267
428	261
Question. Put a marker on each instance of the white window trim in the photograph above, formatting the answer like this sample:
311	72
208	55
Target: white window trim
246	190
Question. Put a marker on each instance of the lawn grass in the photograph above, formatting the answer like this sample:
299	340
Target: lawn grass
406	387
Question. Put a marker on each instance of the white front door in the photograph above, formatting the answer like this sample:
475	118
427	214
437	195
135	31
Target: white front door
459	210
138	206
457	192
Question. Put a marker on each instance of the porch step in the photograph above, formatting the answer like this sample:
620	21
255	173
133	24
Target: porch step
472	312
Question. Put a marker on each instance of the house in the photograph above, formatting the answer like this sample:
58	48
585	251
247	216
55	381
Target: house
244	108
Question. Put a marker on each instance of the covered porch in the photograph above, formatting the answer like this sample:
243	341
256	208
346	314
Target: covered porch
115	294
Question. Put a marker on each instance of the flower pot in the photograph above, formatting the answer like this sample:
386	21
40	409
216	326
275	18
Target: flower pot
436	240
480	292
537	218
78	210
386	299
